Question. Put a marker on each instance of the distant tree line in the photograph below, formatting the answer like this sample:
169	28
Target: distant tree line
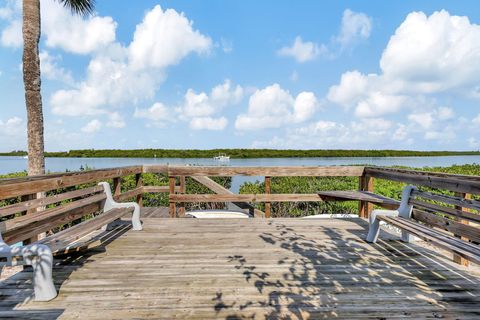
240	153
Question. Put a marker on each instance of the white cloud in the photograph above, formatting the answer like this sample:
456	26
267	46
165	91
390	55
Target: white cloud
51	70
164	38
426	55
226	45
199	108
12	126
473	143
330	134
302	51
157	113
424	120
435	53
12	35
92	126
355	26
118	75
13	134
208	123
74	33
476	120
273	107
116	121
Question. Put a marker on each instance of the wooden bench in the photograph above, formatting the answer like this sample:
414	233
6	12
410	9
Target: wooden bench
365	196
72	206
436	218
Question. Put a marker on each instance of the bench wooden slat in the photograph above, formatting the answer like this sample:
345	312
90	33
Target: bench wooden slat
63	241
35	203
452	200
22	228
446	210
430	236
435	232
357	195
455	227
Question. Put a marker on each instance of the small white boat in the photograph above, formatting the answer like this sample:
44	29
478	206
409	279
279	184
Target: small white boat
222	157
25	157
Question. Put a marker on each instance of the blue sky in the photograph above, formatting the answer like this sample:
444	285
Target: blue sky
250	74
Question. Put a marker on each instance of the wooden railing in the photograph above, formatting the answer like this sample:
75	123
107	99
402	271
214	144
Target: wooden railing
27	190
29	187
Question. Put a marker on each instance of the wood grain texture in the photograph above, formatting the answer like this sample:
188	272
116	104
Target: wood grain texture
35	203
452	182
251	269
10	188
268	205
215	187
280	197
331	171
440	239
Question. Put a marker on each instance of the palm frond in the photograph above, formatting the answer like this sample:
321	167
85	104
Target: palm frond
81	7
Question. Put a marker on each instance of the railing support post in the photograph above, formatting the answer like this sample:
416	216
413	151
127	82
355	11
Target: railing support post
267	191
182	190
457	258
365	183
139	184
117	186
173	208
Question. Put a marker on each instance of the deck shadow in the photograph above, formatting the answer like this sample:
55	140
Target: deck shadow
17	290
348	278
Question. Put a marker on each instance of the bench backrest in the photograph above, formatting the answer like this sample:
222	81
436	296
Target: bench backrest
454	214
25	219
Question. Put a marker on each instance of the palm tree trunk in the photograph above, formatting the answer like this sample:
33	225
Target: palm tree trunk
32	83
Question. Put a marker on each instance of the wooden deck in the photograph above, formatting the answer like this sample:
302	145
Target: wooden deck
250	268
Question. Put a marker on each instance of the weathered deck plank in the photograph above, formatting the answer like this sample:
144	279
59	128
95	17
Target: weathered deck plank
251	268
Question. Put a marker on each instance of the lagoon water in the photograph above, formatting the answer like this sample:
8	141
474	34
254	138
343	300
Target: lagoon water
16	164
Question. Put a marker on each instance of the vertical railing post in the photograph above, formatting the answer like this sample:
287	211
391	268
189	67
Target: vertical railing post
28	197
139	184
267	191
457	258
181	211
117	186
365	183
173	208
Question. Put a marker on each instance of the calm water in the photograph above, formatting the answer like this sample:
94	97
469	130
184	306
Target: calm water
15	164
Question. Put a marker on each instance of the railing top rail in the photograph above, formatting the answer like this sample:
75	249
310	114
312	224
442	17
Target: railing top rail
14	187
439	180
298	171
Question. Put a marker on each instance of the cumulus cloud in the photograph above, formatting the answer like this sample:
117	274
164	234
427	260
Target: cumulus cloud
92	127
331	134
12	35
426	55
61	29
52	71
476	120
73	33
208	123
13	133
119	75
302	51
115	120
355	26
12	126
273	107
202	105
157	113
163	29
